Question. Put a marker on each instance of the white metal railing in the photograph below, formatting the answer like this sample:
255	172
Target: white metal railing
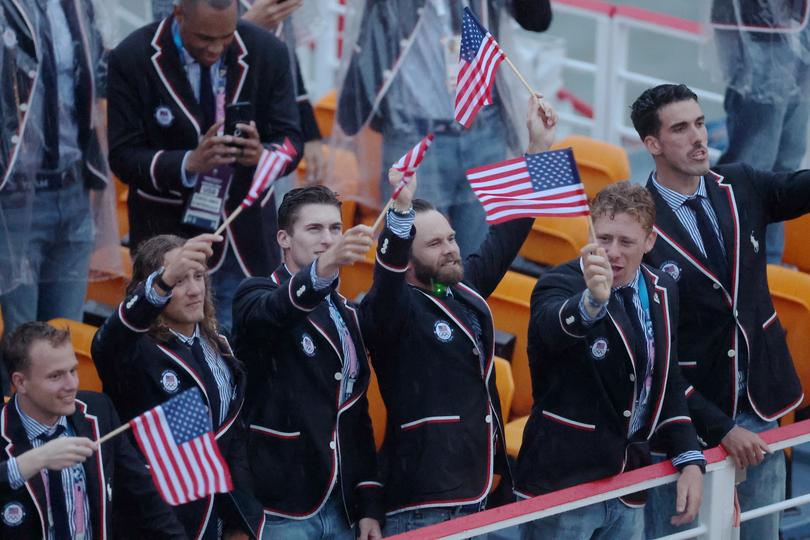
717	511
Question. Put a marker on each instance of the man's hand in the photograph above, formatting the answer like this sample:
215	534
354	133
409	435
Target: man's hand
212	151
249	146
191	257
745	447
369	529
351	247
598	274
316	164
235	534
689	492
541	121
269	13
56	455
403	202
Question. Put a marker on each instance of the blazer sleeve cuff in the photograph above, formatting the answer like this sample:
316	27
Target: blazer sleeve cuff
136	312
571	320
302	291
393	251
369	496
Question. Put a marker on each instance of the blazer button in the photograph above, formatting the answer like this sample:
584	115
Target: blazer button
632	378
332	445
475	351
732	353
338	376
488	419
715	286
627	414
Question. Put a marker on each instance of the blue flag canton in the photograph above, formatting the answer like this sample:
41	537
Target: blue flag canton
187	416
472	35
553	169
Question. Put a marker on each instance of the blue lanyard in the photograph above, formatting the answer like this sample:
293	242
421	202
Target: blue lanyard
643	295
220	72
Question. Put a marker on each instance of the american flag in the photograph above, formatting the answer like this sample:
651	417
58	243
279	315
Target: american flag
408	163
183	456
270	167
478	60
545	184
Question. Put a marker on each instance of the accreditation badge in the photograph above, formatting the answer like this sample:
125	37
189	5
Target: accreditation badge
204	207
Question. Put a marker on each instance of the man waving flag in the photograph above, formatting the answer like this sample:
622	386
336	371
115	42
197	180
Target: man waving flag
479	59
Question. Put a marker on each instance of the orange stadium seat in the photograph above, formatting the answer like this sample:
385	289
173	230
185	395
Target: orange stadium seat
555	240
790	291
111	290
797	250
325	110
506	384
376	410
599	163
81	336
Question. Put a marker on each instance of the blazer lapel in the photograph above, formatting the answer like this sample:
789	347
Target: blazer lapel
659	312
721	195
84	426
237	68
321	319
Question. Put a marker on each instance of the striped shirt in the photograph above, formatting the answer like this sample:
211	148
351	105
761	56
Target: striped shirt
686	215
73	478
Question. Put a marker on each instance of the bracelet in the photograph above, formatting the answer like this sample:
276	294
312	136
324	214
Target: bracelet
403	214
165	287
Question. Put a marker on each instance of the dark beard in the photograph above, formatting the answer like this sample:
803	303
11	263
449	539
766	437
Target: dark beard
428	275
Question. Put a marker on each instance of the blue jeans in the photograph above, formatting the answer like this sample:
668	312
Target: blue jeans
328	524
608	520
225	281
442	175
416	519
55	239
764	484
769	137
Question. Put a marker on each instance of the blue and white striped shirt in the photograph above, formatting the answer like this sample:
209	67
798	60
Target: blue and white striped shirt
73	478
686	215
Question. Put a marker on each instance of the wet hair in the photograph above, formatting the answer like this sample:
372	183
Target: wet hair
297	198
216	4
644	110
625	198
17	345
149	258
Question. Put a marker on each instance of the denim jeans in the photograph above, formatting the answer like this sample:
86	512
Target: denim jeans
764	484
442	175
608	520
328	524
769	137
56	240
224	282
403	522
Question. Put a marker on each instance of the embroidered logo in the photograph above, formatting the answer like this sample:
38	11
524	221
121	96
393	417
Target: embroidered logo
13	514
301	290
443	331
384	248
599	348
672	268
570	319
308	345
754	242
132	301
164	116
169	381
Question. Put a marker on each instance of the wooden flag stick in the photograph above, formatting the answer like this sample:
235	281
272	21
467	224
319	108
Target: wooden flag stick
381	216
236	213
117	431
522	79
591	231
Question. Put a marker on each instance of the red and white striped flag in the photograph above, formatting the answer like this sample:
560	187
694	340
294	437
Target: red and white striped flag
408	163
479	59
271	165
184	459
545	184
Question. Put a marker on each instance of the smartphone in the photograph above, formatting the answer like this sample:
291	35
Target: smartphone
240	112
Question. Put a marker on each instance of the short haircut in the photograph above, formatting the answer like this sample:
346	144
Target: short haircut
148	259
17	345
297	198
421	205
216	4
625	198
644	111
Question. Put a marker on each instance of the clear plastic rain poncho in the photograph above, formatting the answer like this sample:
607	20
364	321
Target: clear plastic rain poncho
398	73
763	47
23	142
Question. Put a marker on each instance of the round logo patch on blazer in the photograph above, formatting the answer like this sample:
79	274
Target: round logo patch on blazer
9	38
672	268
599	348
169	381
443	331
308	345
164	116
13	514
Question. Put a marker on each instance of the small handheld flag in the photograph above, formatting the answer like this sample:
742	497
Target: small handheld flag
479	58
176	439
544	184
408	163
